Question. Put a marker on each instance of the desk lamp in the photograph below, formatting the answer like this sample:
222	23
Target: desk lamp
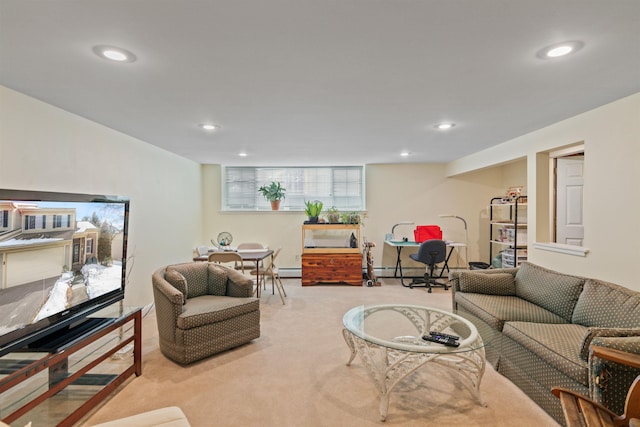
466	235
393	229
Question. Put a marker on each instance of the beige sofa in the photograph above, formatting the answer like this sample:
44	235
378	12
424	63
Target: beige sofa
548	321
202	309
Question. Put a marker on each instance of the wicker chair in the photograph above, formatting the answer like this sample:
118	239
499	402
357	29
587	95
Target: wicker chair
202	309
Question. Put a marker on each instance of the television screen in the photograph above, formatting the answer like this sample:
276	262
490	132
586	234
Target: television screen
62	257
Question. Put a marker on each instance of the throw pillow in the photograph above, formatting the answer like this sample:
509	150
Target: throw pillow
489	284
177	280
604	332
217	280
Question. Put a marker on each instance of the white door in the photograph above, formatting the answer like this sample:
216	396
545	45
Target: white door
569	191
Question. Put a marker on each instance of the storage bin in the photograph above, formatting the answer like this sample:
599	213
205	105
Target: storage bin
427	232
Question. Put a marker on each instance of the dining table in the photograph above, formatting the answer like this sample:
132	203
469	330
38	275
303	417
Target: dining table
249	255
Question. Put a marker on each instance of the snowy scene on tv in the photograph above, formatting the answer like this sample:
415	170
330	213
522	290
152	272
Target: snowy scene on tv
56	255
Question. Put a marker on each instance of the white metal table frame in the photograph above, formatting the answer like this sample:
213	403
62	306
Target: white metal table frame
388	362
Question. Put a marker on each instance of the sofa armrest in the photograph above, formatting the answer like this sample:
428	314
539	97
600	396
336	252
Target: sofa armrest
238	285
609	380
594	332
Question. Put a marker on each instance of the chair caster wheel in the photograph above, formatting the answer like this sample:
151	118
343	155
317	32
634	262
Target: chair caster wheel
429	290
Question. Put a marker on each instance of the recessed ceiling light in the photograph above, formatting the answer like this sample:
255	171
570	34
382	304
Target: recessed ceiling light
208	126
560	49
242	154
444	126
405	154
114	53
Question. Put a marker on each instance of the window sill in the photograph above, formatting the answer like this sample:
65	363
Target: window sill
563	249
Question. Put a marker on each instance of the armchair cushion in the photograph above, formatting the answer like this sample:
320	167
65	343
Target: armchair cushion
209	309
489	284
178	281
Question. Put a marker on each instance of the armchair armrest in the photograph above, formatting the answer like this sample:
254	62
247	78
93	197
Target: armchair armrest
238	285
168	303
617	356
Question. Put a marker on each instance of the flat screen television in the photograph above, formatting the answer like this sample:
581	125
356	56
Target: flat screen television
62	257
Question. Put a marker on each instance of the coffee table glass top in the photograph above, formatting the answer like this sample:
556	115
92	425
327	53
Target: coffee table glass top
401	327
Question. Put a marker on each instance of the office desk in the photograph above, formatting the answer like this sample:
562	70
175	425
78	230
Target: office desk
255	255
399	244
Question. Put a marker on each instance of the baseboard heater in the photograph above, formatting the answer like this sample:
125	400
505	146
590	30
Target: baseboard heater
378	271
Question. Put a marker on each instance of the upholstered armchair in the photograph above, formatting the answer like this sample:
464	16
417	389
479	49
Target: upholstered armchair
202	309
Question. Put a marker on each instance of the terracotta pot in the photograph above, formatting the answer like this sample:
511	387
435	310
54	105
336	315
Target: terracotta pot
275	205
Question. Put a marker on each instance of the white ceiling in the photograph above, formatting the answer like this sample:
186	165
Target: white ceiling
321	82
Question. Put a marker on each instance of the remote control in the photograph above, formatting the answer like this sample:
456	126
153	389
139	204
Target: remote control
441	340
442	334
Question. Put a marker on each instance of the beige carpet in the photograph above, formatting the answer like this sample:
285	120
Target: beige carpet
295	374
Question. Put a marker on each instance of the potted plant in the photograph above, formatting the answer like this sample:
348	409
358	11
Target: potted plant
313	210
352	217
273	192
333	216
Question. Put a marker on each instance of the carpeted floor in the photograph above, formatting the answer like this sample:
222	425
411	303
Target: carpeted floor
295	374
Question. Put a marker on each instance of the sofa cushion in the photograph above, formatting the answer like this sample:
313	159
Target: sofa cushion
217	280
607	305
491	284
178	281
196	274
556	344
557	292
208	309
496	309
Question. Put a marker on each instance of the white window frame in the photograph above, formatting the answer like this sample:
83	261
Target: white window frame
301	184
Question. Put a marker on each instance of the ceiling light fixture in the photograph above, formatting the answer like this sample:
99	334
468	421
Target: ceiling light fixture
209	127
242	154
560	49
405	154
114	53
444	126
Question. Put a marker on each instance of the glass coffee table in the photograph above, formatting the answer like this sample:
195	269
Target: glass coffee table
388	338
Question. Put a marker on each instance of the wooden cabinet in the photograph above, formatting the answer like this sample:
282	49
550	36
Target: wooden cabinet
331	254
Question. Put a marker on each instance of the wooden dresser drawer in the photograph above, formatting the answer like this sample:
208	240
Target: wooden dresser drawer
332	268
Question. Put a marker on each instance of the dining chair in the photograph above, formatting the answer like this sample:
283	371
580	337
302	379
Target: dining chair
225	257
272	271
249	245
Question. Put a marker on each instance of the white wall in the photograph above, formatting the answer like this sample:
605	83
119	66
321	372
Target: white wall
611	135
45	148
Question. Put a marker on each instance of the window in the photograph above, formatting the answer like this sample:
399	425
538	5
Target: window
89	246
29	222
339	186
57	221
4	219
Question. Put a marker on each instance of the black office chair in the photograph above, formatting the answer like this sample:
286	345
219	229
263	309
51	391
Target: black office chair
431	253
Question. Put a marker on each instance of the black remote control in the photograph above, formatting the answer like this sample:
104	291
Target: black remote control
441	340
442	334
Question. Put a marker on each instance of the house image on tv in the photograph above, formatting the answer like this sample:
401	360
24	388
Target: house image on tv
52	235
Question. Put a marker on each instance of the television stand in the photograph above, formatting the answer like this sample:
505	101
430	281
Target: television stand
58	381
